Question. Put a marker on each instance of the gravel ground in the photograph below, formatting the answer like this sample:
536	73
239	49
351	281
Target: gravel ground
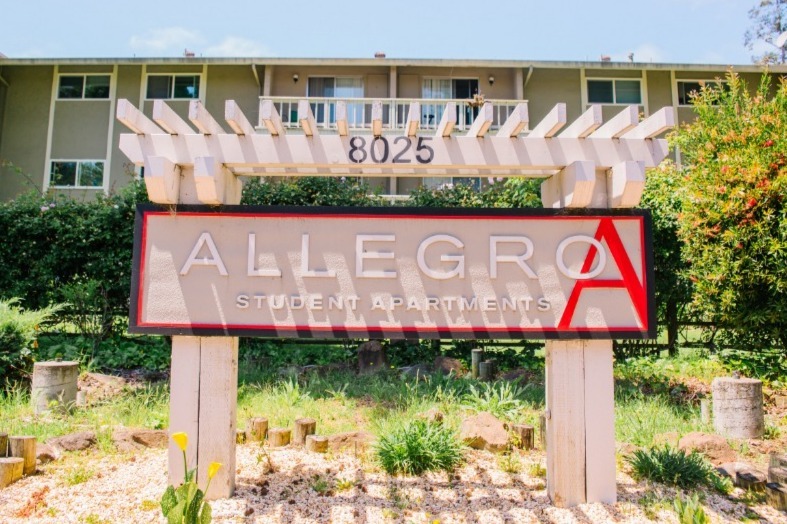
332	488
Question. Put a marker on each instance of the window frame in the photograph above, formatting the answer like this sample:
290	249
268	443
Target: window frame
79	162
678	81
614	90
84	86
173	76
362	78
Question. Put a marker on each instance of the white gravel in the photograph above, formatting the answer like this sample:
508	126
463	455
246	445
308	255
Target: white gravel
126	489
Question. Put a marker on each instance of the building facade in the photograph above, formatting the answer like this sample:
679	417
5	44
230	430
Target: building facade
58	130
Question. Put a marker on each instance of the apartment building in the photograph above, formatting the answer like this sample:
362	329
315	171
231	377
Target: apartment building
58	126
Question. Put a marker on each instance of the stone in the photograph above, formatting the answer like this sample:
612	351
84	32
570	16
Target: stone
371	357
780	401
433	416
743	475
128	440
355	440
484	431
46	453
74	441
447	365
737	407
714	447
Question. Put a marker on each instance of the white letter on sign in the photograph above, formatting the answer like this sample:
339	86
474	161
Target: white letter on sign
576	275
205	240
361	255
250	269
459	269
519	260
305	271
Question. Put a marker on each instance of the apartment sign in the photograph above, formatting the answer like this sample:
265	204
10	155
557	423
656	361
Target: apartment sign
392	273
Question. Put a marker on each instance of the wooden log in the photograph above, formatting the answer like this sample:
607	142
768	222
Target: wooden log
486	370
705	409
278	437
256	429
776	495
10	470
317	443
303	428
750	480
522	436
476	356
777	475
542	431
24	448
3	445
240	436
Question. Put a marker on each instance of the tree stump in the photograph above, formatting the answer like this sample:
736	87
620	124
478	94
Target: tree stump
3	445
278	437
476	356
523	436
303	428
24	448
240	436
54	383
705	410
371	357
777	469
542	431
737	407
776	495
10	470
256	429
486	370
317	443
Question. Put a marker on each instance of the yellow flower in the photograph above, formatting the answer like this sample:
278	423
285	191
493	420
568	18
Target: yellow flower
181	439
213	468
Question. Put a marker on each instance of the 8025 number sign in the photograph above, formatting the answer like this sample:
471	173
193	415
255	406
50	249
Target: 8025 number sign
379	150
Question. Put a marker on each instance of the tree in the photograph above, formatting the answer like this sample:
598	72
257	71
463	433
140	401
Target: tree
769	20
733	218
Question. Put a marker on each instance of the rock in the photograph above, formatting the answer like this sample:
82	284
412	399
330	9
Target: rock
98	386
484	431
433	416
671	438
419	371
743	475
74	441
447	365
128	440
356	440
714	447
371	357
46	453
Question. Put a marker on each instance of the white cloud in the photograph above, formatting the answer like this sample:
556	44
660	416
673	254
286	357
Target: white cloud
165	39
237	46
642	53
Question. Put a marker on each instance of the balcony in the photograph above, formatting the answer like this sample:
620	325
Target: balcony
395	112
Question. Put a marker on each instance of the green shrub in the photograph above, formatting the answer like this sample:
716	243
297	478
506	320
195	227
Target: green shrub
18	331
310	191
673	467
417	447
502	399
690	510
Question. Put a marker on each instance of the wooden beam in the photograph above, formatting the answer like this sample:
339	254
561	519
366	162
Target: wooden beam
341	118
184	388
132	118
162	180
215	183
269	117
572	187
306	119
168	120
516	122
619	125
203	120
599	422
377	118
447	121
551	124
482	122
236	119
585	124
654	125
625	184
413	119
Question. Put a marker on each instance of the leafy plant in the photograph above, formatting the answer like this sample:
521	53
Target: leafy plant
690	510
501	399
18	338
418	446
186	504
672	467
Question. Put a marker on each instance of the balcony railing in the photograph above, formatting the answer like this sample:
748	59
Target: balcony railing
395	112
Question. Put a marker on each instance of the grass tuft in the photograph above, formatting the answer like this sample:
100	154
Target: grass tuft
417	447
673	467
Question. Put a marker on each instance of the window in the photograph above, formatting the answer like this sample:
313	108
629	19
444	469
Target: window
452	88
336	87
173	86
614	92
83	86
77	173
687	89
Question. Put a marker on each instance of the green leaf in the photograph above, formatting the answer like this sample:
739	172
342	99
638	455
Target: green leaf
176	515
207	514
192	512
168	500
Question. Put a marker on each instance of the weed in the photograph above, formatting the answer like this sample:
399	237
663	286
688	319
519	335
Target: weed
651	504
345	484
721	484
509	462
690	510
772	432
320	485
639	418
501	399
78	475
537	470
92	518
417	447
264	455
672	467
149	505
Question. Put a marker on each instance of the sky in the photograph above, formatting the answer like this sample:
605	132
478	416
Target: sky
666	31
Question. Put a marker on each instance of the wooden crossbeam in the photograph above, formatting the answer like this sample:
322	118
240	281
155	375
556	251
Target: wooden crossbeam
551	124
203	120
306	119
585	124
269	117
341	118
619	125
377	118
236	119
516	122
214	182
654	125
625	184
448	121
413	119
131	117
482	122
573	187
168	120
162	180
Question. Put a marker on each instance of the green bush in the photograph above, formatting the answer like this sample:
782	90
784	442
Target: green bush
310	191
419	446
673	467
18	331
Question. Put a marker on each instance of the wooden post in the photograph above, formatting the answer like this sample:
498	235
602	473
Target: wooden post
24	448
523	436
317	444
303	428
278	437
476	356
3	445
542	431
10	470
705	408
256	429
486	370
776	495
